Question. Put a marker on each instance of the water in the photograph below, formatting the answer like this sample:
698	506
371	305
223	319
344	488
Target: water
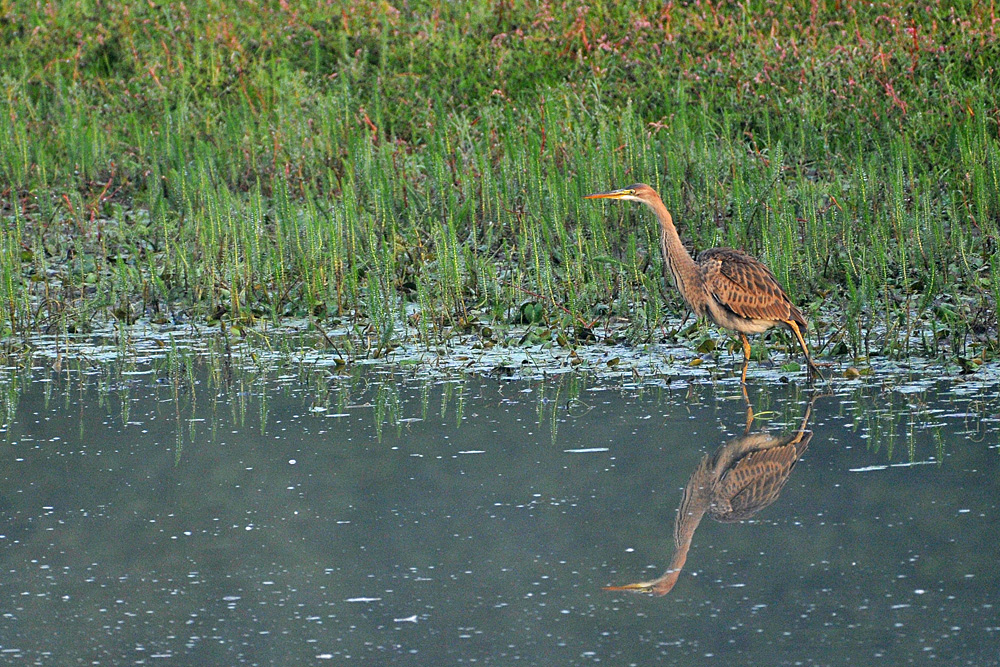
191	516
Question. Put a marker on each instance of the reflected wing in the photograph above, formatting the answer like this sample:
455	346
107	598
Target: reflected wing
754	481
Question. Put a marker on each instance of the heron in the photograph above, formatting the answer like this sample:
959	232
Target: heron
736	291
741	478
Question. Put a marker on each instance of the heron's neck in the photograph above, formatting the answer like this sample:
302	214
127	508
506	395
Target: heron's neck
682	266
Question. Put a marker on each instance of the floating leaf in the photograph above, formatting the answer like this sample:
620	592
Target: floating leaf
531	312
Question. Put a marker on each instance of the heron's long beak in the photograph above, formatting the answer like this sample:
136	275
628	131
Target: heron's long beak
614	194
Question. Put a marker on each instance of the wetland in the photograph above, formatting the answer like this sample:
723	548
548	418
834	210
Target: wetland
311	349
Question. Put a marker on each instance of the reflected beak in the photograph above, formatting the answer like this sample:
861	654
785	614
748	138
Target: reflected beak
641	587
614	194
655	588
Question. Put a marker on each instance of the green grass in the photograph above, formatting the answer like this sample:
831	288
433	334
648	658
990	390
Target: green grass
285	161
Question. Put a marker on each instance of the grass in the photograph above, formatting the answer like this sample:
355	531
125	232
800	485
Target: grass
421	169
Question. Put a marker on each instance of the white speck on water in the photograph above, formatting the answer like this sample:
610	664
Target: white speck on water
292	462
914	387
362	599
892	465
408	619
473	451
586	450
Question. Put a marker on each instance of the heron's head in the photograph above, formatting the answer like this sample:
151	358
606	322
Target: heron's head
639	192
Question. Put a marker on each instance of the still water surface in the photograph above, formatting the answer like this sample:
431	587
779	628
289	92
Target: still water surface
377	518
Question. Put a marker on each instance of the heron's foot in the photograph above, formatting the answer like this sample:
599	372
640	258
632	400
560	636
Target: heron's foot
814	372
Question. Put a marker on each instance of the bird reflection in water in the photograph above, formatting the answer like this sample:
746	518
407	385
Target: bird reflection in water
739	479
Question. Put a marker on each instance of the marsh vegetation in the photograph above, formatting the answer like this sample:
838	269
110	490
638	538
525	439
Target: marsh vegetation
417	170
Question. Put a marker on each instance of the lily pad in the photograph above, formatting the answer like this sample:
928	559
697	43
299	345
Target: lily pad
707	345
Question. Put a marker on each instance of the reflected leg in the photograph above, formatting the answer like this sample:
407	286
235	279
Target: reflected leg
749	411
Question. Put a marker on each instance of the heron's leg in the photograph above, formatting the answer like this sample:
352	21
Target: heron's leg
687	314
813	369
746	358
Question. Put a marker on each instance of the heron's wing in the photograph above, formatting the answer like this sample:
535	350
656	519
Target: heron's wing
744	285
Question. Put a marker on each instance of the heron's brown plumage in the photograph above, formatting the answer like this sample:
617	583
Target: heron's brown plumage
745	286
733	289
